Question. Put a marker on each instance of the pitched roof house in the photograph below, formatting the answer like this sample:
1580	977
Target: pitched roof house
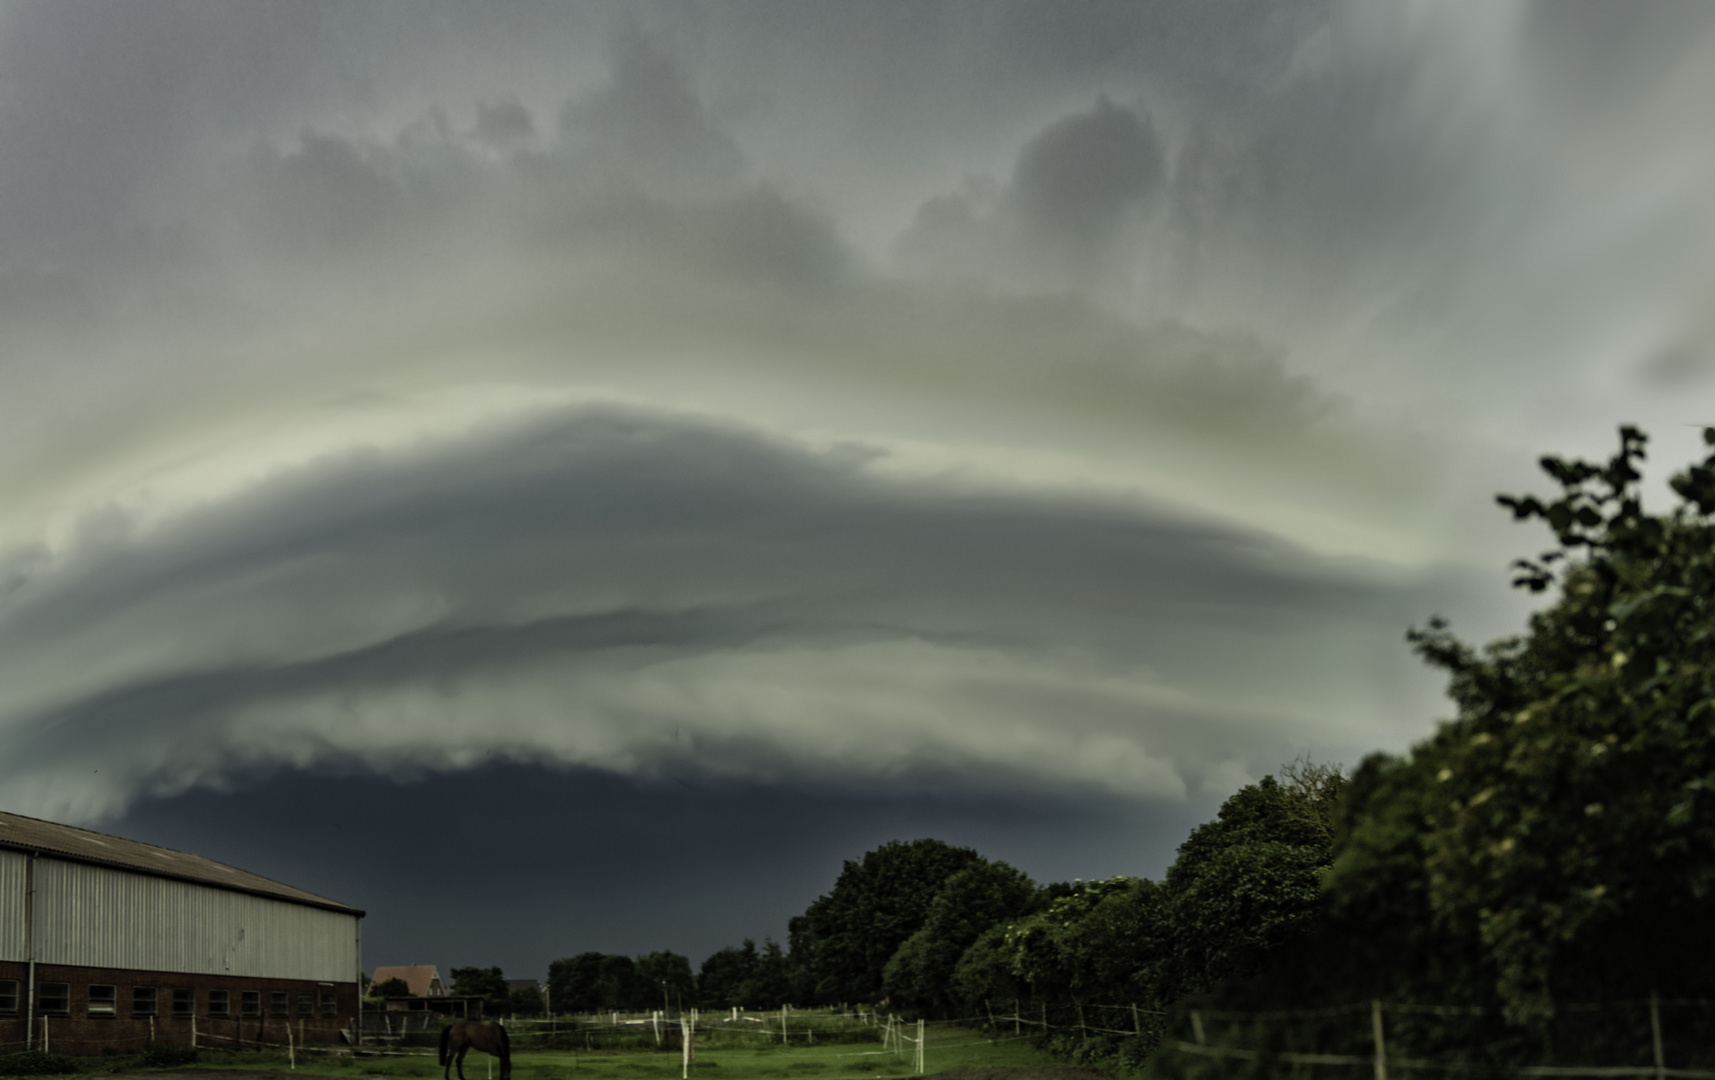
423	979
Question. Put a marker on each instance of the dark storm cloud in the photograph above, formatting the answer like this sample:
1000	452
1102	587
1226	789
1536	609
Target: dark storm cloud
582	860
302	301
632	591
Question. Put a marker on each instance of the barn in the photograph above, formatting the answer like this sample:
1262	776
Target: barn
107	942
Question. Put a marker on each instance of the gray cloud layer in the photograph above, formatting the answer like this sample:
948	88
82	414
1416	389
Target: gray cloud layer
630	590
1058	396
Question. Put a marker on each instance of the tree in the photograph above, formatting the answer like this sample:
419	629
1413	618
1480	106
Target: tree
721	981
525	1001
1049	952
391	988
844	940
486	983
976	898
984	973
770	984
1250	880
666	976
574	983
1565	820
619	987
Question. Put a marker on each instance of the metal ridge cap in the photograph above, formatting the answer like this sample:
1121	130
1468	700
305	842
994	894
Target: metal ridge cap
308	899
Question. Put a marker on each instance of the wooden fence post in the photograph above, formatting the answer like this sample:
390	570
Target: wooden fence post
1381	1047
920	1055
1136	1024
1197	1027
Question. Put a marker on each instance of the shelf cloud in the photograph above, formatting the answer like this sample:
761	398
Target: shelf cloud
884	398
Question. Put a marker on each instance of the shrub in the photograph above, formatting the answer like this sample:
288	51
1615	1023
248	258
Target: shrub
36	1063
162	1054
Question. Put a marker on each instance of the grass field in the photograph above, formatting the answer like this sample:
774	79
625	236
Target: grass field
947	1048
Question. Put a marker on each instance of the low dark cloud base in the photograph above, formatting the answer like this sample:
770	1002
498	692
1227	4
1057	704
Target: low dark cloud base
579	859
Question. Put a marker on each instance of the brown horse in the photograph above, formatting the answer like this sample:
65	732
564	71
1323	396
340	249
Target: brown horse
460	1037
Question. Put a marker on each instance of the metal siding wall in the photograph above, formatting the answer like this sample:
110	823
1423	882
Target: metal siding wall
96	916
12	905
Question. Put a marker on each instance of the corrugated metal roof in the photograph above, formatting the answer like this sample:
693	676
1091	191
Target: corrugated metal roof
83	845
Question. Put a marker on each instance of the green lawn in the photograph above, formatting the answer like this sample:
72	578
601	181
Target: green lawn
948	1048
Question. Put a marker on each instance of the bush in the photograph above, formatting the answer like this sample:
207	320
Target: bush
36	1063
162	1054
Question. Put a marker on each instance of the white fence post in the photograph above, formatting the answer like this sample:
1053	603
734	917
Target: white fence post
920	1055
1381	1047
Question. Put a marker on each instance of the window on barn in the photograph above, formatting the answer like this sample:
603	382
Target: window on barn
306	1003
8	996
277	1003
220	1003
55	999
142	1001
184	1001
104	1000
330	1003
251	1002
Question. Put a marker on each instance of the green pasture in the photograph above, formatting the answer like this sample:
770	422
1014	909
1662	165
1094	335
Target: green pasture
948	1048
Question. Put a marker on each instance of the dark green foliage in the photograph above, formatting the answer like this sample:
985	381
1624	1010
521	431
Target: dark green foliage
593	982
1555	842
771	984
1564	823
524	1002
160	1055
392	988
666	977
36	1063
984	973
574	983
722	983
984	894
845	939
1251	879
486	983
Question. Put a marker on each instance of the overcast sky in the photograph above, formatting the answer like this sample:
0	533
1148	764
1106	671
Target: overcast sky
678	446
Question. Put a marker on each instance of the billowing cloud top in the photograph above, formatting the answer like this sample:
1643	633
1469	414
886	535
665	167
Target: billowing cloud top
894	397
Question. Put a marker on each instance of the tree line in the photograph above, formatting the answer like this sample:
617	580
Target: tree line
1551	846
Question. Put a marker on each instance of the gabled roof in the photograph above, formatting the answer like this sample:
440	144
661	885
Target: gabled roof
20	833
420	978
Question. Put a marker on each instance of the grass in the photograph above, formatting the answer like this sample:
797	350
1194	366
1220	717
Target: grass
948	1048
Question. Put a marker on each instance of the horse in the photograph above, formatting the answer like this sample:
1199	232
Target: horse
458	1038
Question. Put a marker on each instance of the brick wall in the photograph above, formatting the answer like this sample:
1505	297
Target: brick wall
75	1031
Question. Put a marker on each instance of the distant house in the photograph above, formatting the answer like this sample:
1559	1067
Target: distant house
424	980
